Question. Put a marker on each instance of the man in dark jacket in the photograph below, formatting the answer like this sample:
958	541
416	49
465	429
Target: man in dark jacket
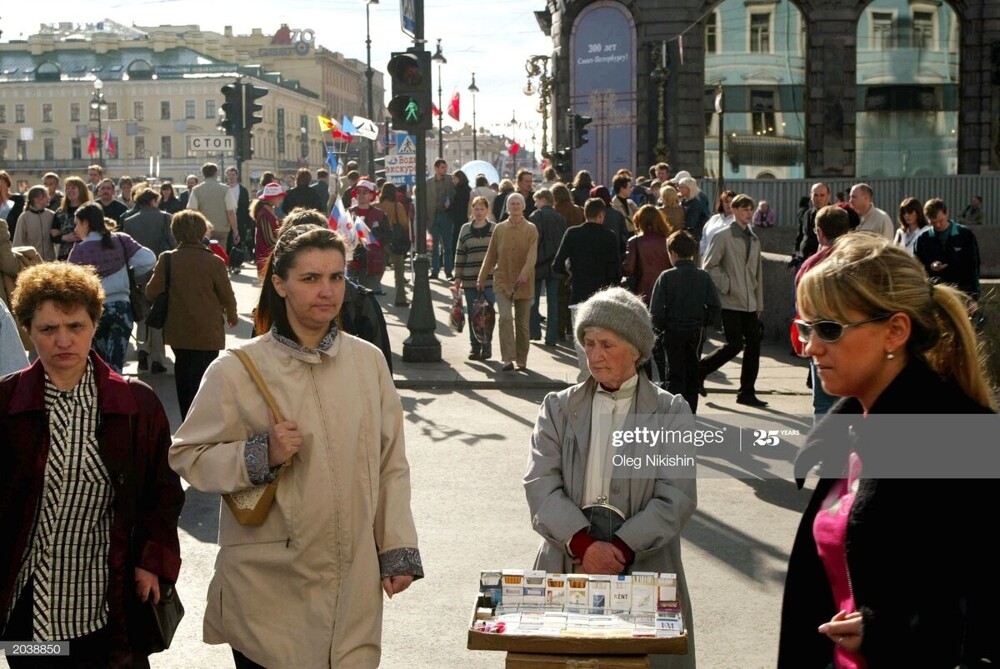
551	228
244	222
806	242
949	251
594	262
303	195
361	315
614	220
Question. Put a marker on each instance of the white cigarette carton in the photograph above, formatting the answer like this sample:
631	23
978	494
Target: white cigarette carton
669	625
513	588
576	593
667	592
621	594
491	585
599	593
534	589
555	592
644	595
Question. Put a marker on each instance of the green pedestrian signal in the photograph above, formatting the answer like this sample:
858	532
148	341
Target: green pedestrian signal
411	90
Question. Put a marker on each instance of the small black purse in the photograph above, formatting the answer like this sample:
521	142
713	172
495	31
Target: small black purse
157	317
160	621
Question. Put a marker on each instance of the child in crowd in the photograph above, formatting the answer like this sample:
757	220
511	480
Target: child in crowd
684	301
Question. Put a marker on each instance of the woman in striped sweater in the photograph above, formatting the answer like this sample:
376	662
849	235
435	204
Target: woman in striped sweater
473	241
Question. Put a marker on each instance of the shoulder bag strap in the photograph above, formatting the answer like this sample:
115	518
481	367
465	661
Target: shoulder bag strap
167	269
128	268
259	382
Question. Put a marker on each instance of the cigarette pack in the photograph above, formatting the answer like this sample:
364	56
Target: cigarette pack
576	593
534	589
513	588
669	624
667	592
555	591
621	593
599	593
490	585
644	595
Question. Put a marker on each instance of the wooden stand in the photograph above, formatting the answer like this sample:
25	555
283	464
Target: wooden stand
540	661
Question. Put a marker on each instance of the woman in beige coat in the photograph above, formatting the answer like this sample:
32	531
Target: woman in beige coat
304	589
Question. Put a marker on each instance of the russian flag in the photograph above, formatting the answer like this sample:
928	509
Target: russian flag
339	217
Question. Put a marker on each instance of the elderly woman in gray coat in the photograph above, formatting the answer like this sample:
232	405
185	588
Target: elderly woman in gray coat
576	460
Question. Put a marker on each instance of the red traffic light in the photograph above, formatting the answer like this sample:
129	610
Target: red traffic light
405	68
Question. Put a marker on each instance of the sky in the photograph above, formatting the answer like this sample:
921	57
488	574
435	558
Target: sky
493	40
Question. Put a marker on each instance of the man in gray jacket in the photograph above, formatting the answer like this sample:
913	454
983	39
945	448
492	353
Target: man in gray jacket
733	260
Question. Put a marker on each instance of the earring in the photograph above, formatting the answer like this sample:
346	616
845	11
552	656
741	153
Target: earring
889	356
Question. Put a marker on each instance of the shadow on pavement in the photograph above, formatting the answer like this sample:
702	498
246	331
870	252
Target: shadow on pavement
200	517
739	550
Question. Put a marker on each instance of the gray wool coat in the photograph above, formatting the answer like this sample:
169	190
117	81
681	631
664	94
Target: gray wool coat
657	506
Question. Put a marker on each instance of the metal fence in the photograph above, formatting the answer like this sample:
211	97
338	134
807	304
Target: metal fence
783	196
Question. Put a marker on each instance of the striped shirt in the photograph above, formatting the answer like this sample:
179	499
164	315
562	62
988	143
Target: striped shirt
471	251
67	555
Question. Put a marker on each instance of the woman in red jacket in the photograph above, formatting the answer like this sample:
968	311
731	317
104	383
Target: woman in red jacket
88	504
645	259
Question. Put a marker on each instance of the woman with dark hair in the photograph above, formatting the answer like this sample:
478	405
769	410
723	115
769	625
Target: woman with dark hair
912	222
169	202
458	209
645	259
199	301
110	253
303	195
89	506
582	185
893	345
305	588
64	224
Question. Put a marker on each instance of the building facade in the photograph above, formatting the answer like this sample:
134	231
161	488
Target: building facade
162	87
810	88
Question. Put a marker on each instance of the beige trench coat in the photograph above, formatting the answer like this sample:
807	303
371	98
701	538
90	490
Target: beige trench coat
304	589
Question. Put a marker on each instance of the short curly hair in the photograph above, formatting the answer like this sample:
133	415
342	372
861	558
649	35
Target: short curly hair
66	284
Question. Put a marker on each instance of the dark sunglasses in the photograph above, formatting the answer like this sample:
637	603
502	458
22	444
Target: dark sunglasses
829	331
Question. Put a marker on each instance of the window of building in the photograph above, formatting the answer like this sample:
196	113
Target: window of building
760	32
883	31
74	112
165	146
22	150
165	110
49	147
140	147
18	113
3	149
712	33
112	111
763	121
211	106
923	30
3	113
46	112
138	110
76	149
189	109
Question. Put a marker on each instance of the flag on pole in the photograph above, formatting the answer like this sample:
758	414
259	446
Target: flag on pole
338	215
435	110
92	146
331	159
514	148
453	106
109	142
348	127
327	124
365	127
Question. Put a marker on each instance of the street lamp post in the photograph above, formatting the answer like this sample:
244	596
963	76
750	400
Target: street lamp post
474	89
368	75
538	66
513	126
439	58
720	110
99	104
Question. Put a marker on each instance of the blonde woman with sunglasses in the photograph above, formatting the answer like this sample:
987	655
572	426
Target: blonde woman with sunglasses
888	569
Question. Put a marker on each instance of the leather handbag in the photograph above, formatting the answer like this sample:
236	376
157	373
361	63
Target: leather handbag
136	293
605	519
157	317
250	506
160	621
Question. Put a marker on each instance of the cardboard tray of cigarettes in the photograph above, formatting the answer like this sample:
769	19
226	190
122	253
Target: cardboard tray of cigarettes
527	611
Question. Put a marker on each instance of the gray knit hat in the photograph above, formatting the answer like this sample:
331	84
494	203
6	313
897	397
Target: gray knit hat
622	312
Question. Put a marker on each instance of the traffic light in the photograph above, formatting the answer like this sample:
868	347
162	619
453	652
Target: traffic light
251	108
244	148
411	102
561	161
580	131
232	109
